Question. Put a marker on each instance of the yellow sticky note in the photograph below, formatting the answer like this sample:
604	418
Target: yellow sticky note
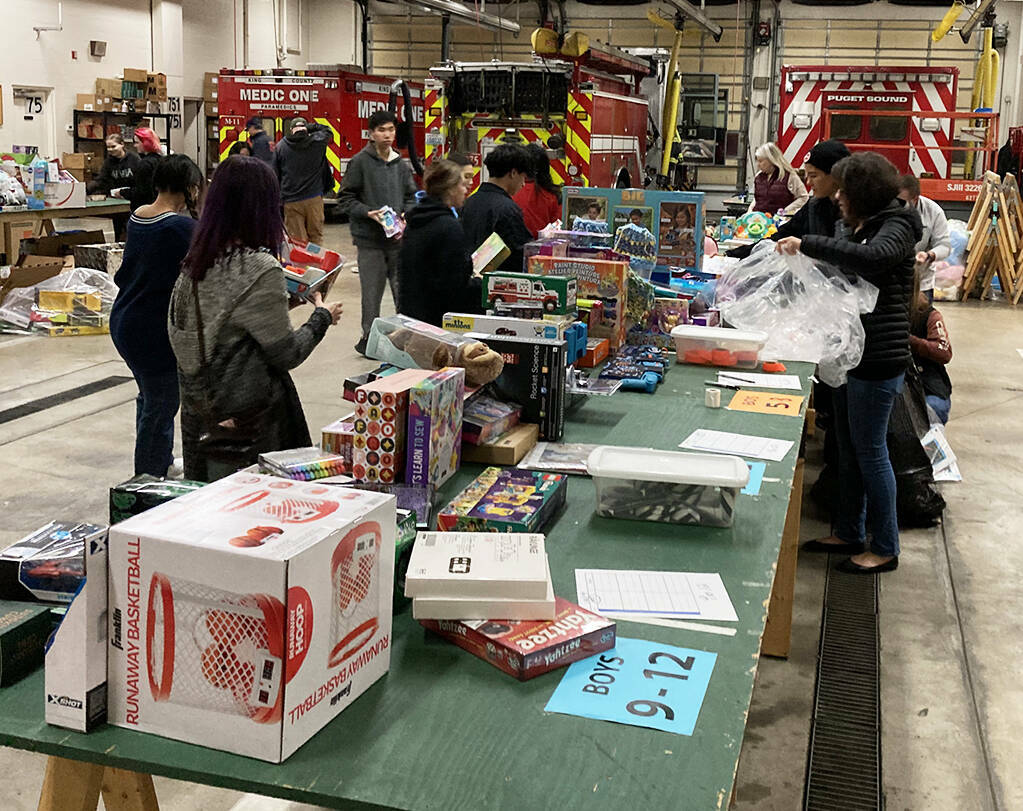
763	402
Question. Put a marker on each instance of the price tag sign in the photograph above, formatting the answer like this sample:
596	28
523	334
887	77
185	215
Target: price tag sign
765	402
645	684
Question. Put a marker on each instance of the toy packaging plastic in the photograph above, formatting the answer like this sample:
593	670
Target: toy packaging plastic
505	501
49	564
435	428
248	614
143	492
528	648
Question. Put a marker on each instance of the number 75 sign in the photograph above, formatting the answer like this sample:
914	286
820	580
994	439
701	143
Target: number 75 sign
641	683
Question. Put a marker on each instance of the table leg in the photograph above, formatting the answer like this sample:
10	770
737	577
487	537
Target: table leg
778	631
70	785
128	791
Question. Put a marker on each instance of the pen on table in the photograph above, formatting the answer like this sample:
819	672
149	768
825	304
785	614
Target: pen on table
723	385
730	376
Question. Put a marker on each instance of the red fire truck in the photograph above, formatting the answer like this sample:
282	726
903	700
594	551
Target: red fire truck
586	111
905	113
339	99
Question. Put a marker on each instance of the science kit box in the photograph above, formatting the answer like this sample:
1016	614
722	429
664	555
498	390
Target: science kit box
435	428
529	648
602	279
500	500
143	492
248	614
381	422
534	378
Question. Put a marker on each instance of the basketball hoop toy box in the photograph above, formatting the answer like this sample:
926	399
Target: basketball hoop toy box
246	615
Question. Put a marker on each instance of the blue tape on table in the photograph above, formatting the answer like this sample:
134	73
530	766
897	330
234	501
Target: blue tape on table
645	684
756	478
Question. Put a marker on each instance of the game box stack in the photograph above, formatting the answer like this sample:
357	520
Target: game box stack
475	575
435	427
529	648
505	500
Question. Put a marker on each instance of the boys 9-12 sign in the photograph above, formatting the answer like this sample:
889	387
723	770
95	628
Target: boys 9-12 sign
641	683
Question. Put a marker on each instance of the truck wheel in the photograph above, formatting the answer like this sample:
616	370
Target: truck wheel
549	306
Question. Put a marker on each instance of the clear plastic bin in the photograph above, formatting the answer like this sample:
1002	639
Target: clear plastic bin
718	346
643	484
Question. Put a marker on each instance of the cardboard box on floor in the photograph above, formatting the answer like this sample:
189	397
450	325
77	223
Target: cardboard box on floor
60	244
30	271
246	615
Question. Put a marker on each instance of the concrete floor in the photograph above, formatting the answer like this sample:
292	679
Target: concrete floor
951	617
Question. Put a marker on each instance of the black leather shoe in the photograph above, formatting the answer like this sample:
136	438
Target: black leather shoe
849	567
833	548
360	347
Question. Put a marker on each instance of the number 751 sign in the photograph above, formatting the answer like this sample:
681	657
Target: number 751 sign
640	683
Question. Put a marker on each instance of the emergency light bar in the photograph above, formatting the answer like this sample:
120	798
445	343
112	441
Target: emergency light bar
846	76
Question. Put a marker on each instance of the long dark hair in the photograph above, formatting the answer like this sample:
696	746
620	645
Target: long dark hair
178	174
242	209
542	169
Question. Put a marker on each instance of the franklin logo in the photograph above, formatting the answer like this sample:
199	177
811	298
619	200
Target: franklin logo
459	565
64	701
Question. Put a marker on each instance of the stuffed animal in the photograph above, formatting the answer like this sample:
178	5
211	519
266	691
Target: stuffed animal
481	363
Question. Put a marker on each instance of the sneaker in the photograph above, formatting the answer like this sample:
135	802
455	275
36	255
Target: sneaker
360	347
177	469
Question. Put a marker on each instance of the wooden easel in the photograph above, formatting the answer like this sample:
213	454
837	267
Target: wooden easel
995	245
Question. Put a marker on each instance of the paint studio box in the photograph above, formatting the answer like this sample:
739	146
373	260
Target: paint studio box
248	614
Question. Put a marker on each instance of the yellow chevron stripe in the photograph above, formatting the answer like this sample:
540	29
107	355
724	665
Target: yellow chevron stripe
225	144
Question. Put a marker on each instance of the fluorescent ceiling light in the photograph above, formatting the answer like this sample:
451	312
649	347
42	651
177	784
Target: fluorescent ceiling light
467	14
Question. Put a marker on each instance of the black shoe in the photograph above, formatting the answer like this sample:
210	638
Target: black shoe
360	347
849	567
834	548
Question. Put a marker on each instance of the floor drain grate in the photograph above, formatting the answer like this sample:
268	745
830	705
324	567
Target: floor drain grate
843	770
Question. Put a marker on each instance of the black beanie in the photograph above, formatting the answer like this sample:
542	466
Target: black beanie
826	154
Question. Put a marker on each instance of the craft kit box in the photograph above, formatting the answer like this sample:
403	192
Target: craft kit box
505	501
75	676
246	615
602	279
381	420
435	427
529	648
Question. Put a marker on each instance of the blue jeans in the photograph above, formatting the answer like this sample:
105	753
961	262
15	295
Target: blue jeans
941	407
155	407
867	487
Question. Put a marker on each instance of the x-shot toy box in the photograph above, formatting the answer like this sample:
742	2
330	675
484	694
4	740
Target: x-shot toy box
248	614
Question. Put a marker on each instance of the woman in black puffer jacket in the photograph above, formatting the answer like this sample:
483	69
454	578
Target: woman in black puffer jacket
876	242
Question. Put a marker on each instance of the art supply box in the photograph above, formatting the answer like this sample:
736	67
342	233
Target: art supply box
49	564
248	614
24	629
505	501
435	428
75	676
143	492
603	279
529	648
718	346
678	488
303	464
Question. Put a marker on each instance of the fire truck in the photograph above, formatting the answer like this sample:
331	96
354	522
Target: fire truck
339	99
586	111
907	114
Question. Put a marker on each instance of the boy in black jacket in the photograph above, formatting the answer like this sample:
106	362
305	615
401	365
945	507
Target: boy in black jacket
375	178
492	210
298	162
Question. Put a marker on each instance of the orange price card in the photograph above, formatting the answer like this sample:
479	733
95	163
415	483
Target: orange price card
764	402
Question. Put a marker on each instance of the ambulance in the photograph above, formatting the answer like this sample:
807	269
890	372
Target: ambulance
339	99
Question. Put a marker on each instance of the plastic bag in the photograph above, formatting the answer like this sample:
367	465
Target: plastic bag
87	298
809	311
958	236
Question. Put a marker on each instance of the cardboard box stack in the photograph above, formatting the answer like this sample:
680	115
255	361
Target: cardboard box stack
469	575
246	615
156	87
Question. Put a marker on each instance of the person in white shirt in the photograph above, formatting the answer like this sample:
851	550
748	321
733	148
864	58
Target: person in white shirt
935	244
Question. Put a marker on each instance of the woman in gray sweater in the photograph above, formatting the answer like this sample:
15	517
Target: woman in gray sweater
230	331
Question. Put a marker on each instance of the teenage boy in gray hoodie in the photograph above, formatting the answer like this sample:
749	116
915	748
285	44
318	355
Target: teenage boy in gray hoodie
376	177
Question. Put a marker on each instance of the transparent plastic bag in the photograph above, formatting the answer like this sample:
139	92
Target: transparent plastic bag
809	311
957	236
89	296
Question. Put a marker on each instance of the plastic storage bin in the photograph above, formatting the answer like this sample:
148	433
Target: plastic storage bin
718	346
644	484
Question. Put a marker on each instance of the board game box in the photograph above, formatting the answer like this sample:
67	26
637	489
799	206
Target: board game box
500	500
485	419
435	427
529	648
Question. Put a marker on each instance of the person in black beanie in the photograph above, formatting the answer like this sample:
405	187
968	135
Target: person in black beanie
820	214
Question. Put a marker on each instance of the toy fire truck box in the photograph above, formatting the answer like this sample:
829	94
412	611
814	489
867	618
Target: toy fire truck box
525	290
75	677
246	615
601	279
529	648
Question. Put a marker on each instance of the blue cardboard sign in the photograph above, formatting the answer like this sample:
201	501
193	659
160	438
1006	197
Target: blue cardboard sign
756	478
646	684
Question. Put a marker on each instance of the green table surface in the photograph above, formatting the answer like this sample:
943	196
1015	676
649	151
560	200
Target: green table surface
446	730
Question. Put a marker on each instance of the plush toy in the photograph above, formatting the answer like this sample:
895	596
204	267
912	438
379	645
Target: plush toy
481	363
429	351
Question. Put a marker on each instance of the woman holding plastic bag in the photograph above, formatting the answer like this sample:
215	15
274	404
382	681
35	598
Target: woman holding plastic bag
876	242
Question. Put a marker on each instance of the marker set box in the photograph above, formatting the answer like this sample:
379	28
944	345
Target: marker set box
478	575
303	464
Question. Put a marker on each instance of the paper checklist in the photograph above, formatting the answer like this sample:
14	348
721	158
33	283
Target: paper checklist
760	381
759	447
679	595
